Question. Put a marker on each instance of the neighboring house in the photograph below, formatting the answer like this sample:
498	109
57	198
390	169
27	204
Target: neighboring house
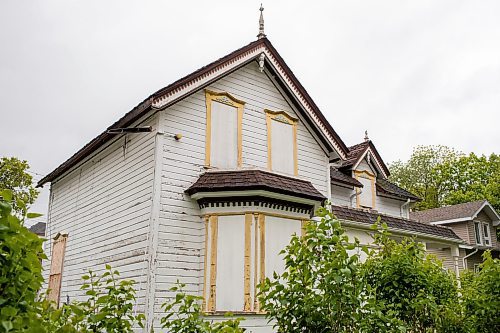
38	228
475	222
205	181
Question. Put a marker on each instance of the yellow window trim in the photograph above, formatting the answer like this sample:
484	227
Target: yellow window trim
228	99
285	118
367	175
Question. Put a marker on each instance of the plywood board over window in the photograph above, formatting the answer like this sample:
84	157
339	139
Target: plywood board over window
56	267
223	147
281	142
365	197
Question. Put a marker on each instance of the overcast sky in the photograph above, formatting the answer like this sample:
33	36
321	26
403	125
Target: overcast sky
410	72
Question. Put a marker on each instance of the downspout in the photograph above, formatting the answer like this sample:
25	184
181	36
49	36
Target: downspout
403	205
355	193
467	256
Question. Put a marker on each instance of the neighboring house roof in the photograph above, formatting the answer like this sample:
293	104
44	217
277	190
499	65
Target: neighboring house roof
202	78
38	228
456	213
247	180
340	177
359	151
385	187
369	217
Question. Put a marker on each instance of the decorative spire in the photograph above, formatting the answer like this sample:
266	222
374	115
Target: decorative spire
366	136
261	24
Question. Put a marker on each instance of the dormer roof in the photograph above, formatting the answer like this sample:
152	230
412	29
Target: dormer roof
358	152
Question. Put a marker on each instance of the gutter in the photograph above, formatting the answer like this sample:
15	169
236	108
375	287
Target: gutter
403	232
467	256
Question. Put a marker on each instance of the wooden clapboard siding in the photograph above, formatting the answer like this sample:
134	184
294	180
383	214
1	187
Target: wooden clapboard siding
389	206
445	256
181	243
461	229
104	204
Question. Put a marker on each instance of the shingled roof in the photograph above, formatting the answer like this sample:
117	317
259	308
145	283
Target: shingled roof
386	187
38	228
460	211
356	152
369	217
340	177
246	180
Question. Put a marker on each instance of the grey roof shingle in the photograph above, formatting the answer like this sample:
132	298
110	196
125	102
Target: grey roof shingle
464	210
339	176
386	187
38	228
245	180
369	217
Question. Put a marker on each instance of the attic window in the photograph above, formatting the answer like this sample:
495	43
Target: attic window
223	148
281	142
486	233
365	197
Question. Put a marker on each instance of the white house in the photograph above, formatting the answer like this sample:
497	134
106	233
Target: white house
206	180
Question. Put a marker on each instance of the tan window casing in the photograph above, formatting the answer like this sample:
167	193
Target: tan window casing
224	98
285	118
366	175
56	267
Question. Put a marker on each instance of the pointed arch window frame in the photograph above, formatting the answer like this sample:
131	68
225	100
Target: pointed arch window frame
227	99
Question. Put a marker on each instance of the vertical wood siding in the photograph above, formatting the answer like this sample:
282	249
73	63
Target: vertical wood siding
104	205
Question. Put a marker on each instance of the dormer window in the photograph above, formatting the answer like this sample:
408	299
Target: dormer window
281	142
482	233
223	147
486	233
365	197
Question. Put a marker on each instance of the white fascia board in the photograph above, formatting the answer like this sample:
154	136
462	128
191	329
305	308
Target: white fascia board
492	210
462	219
251	193
402	232
465	246
373	157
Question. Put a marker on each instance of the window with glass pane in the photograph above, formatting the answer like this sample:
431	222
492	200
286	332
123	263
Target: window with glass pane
486	233
477	232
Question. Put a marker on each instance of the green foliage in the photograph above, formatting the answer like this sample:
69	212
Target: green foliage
481	296
108	307
184	315
322	288
442	176
14	177
411	285
20	269
421	175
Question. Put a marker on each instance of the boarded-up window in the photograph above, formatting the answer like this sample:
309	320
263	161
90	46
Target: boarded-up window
279	232
282	142
56	267
224	145
224	131
365	196
230	263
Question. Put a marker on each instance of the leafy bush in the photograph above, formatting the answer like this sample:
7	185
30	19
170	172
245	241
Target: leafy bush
20	269
481	296
411	285
184	315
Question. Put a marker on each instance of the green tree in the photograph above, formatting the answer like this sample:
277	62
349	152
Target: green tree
14	176
421	175
471	178
20	270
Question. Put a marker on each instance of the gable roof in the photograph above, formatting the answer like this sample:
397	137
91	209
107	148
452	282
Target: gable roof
456	213
359	151
385	187
369	217
203	77
246	180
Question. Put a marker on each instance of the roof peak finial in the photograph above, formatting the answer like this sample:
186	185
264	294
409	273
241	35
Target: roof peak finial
366	135
261	24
